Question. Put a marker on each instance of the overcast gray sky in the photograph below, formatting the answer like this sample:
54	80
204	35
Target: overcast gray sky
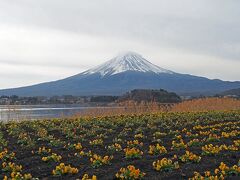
44	40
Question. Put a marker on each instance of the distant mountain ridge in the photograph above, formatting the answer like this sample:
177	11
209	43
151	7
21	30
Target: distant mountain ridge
122	74
233	92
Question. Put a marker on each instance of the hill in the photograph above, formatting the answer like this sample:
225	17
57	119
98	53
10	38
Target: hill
160	96
232	92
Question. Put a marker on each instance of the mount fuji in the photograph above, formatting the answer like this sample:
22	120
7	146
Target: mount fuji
123	73
129	61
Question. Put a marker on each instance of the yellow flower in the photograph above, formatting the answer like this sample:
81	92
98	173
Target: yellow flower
44	158
64	169
86	177
78	146
216	171
207	173
54	172
27	176
129	173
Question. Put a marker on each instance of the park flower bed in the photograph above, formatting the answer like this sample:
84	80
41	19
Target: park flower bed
201	145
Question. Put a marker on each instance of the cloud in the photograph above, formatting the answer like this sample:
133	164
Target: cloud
197	37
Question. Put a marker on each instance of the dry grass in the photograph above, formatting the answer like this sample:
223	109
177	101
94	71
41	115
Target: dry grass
207	104
127	108
196	105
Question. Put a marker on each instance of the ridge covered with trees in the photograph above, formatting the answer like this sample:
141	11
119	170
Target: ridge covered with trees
160	96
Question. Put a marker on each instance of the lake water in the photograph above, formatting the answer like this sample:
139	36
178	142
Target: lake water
38	111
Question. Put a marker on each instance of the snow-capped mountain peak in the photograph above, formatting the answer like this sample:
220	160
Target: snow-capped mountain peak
129	61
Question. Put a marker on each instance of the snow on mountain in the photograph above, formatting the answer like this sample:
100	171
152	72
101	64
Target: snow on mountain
129	61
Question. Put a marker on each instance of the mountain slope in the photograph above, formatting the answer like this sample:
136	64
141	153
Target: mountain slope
124	73
129	61
234	92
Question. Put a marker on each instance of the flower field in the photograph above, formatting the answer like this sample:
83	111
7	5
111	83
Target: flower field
151	146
